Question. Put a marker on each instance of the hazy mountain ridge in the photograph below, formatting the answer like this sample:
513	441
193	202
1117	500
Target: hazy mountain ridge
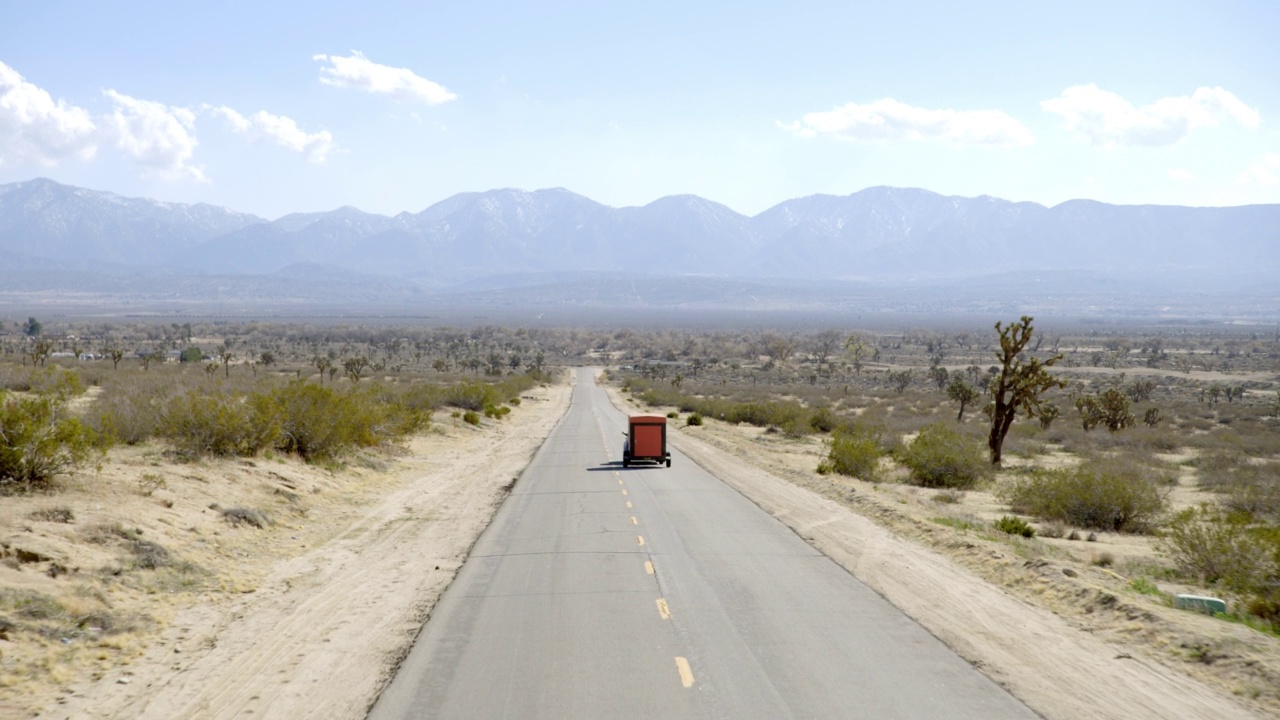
44	219
878	233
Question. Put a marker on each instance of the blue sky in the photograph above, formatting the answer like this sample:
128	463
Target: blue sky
280	107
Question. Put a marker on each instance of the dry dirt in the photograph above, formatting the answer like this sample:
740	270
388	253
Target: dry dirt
304	617
1042	617
307	616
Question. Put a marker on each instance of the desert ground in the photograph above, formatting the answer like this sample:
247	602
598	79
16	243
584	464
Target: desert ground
145	584
304	617
1070	637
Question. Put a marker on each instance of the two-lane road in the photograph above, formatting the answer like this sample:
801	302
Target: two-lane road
603	592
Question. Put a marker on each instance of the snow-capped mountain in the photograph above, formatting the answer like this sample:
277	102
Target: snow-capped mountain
875	233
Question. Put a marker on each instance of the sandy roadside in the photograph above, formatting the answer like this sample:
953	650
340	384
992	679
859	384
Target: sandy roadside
1060	671
323	630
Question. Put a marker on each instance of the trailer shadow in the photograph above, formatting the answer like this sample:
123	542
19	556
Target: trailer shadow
616	465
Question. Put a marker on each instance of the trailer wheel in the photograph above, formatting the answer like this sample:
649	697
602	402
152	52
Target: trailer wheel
668	462
626	462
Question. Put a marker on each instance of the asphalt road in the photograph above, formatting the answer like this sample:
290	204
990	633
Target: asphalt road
603	592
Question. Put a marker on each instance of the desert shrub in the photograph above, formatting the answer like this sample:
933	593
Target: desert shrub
246	516
471	418
1120	497
855	450
1053	530
1223	549
125	416
1111	409
219	424
673	415
473	395
694	419
316	422
387	413
148	483
58	382
1252	490
148	555
1014	526
939	456
823	420
496	413
949	496
38	441
321	423
60	514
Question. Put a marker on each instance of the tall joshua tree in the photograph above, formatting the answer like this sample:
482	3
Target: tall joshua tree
1020	384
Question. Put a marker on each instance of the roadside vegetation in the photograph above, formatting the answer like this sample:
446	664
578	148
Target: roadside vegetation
1164	438
1169	437
147	467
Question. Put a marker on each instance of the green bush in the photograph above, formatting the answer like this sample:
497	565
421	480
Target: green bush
496	413
127	415
823	420
58	382
219	424
1220	549
855	450
470	417
473	395
38	442
1015	526
940	456
694	419
1117	497
321	423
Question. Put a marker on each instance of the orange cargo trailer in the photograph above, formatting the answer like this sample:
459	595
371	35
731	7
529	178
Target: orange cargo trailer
646	440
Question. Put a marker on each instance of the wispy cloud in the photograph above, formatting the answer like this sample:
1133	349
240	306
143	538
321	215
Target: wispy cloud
889	119
35	127
357	72
1107	119
262	126
160	137
1181	174
1265	171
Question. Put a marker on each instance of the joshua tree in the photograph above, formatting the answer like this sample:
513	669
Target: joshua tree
1019	384
963	393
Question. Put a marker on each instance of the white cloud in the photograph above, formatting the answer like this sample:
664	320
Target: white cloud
1181	174
34	127
360	73
889	119
283	131
160	137
1104	118
1264	172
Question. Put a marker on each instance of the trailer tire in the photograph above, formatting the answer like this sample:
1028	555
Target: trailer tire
668	462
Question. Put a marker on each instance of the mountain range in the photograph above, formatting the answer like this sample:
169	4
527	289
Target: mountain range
879	234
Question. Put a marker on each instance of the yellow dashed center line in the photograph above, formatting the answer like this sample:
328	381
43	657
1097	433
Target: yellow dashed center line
634	521
624	491
664	612
628	503
686	673
648	566
640	539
